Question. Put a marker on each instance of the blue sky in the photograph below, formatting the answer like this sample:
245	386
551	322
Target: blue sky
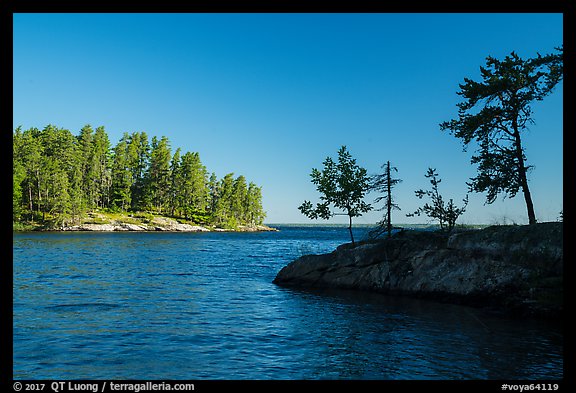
270	96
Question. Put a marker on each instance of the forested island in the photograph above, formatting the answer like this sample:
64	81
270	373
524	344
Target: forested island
63	181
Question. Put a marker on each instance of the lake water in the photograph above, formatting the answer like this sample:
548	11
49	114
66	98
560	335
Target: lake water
203	306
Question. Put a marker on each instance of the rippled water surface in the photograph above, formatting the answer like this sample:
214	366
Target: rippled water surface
203	306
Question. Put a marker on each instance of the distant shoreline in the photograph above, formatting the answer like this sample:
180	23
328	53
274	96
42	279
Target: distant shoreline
166	224
406	226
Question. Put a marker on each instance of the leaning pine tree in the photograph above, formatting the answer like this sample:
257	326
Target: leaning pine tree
495	112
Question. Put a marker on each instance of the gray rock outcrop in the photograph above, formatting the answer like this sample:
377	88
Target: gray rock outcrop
518	267
156	223
168	224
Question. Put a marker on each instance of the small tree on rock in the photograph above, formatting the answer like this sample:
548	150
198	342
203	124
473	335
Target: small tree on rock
343	185
445	213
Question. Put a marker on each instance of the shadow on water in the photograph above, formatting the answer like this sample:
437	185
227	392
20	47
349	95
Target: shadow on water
398	337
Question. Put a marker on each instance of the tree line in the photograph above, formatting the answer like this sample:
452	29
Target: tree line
58	177
493	114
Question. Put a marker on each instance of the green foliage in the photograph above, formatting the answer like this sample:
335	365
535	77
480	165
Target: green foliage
146	217
342	185
202	218
22	226
138	156
222	215
175	183
213	193
58	177
102	167
193	192
495	112
445	213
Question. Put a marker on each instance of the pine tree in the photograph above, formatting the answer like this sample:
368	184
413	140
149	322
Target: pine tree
88	167
193	193
122	176
18	175
76	198
495	113
223	211
213	194
28	152
101	162
59	165
240	200
158	175
385	183
175	194
255	213
138	162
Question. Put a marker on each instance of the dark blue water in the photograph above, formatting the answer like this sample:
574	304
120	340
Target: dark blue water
203	306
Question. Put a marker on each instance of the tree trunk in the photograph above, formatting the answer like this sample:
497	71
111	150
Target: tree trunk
389	200
350	229
46	202
39	202
527	197
522	175
31	204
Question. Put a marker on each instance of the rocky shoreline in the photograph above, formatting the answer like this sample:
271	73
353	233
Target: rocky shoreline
155	224
517	269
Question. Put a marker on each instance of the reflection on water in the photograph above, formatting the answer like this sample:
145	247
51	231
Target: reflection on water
203	306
